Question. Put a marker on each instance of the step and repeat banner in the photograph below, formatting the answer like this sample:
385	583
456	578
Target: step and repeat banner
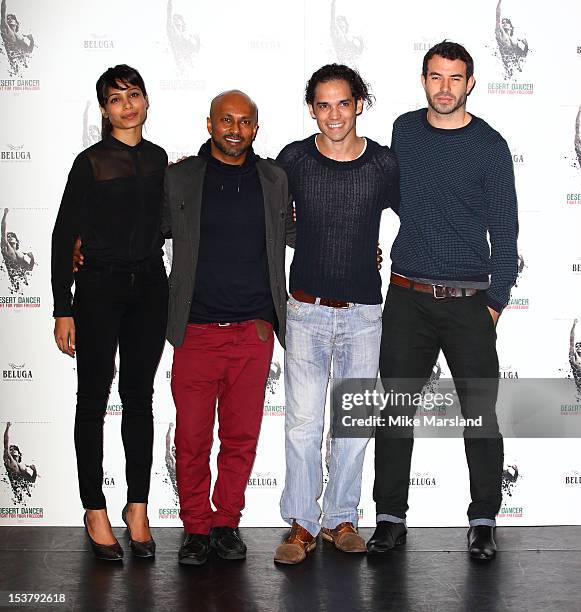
528	86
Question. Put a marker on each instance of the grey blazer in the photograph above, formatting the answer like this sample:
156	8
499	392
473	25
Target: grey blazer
181	221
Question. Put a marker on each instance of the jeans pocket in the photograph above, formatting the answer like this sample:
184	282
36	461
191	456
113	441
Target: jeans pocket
369	313
295	310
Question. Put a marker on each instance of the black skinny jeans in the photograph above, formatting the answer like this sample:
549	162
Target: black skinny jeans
415	327
121	305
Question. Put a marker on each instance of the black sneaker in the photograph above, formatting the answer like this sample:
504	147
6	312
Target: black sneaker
387	535
227	543
194	550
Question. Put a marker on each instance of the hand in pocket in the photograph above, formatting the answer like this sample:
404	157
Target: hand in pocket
263	329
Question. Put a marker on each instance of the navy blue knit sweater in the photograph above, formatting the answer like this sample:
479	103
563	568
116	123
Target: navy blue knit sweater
456	185
339	206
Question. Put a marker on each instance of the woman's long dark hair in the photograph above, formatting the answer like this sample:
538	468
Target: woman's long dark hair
115	77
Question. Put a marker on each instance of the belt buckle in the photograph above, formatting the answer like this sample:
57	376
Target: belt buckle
439	291
223	324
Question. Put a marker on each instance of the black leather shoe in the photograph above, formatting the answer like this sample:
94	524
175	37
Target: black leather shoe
143	550
104	552
227	543
387	535
194	550
481	544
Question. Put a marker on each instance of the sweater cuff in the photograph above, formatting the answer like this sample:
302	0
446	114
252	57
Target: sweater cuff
62	310
497	306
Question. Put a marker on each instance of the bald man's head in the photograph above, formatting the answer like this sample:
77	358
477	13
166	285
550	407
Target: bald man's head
232	124
233	95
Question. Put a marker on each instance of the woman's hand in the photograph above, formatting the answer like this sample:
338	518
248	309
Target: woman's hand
64	334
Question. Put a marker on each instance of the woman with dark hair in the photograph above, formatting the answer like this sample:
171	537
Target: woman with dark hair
113	202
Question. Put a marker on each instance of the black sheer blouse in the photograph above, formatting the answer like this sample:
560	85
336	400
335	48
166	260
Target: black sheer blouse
112	200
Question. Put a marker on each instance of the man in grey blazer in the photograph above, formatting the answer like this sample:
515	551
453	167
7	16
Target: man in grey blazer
230	216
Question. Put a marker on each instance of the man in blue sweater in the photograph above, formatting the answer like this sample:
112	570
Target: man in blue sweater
448	286
340	183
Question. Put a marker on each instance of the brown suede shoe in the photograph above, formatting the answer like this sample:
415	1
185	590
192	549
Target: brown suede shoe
296	545
345	538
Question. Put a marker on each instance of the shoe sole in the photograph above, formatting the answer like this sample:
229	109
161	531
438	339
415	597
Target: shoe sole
330	538
230	556
399	542
109	559
309	548
134	554
481	557
188	561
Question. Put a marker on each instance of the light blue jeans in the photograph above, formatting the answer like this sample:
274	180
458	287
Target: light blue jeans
317	336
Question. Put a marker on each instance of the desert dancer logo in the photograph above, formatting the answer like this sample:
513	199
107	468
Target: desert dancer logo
510	477
18	265
511	48
16	45
184	44
575	359
431	385
273	410
348	47
91	131
521	265
573	156
19	475
577	139
273	380
170	461
518	304
168	476
114	409
21	513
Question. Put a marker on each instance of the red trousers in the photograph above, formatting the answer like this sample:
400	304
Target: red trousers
228	365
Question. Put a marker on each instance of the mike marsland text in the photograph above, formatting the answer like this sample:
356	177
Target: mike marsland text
427	420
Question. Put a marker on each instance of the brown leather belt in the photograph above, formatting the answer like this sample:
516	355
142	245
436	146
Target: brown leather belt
438	291
302	296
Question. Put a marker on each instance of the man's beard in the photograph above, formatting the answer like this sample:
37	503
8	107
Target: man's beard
446	109
230	152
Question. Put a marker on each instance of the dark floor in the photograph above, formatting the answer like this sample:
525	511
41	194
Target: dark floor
537	568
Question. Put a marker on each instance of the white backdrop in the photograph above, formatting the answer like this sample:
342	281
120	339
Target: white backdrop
269	49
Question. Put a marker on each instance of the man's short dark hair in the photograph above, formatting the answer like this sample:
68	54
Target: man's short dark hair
450	51
339	72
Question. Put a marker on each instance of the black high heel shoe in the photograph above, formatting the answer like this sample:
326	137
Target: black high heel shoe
105	552
144	550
